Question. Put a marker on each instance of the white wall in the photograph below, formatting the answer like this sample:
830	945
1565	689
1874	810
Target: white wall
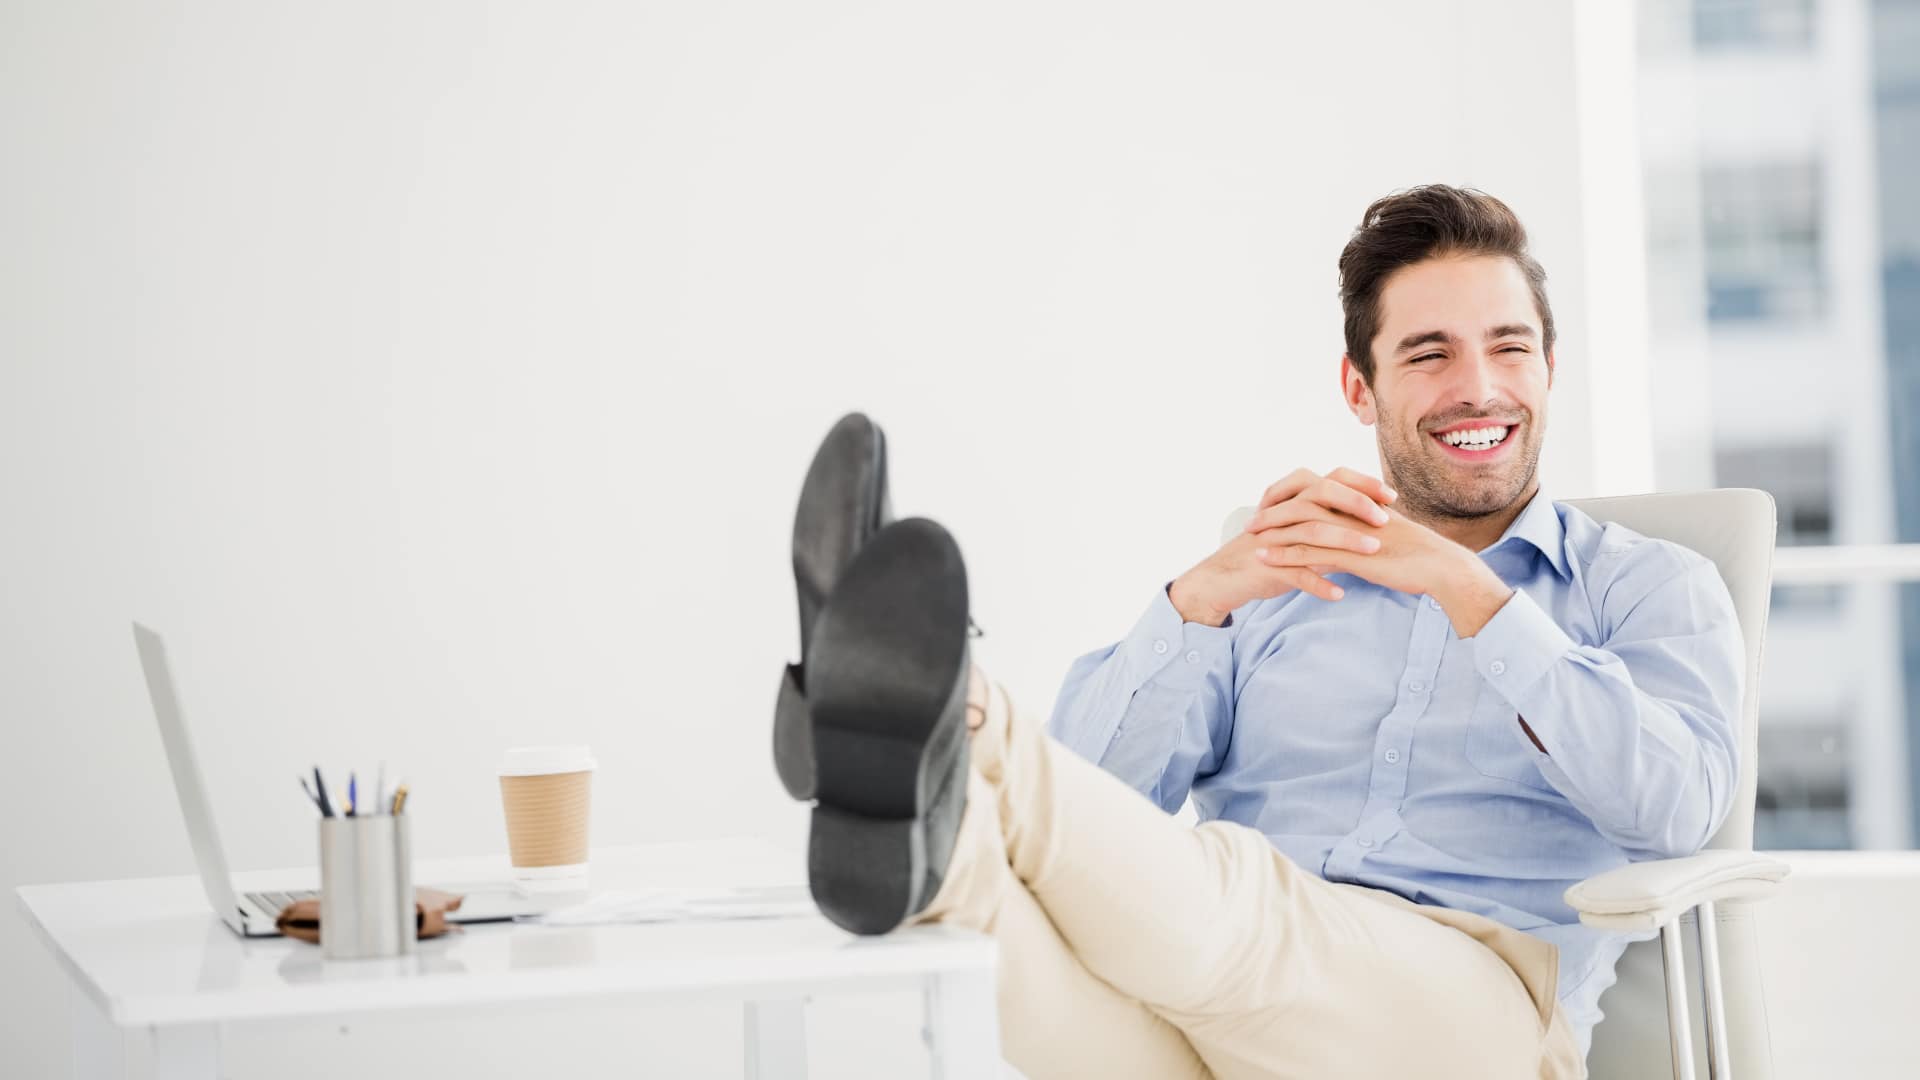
1837	946
438	375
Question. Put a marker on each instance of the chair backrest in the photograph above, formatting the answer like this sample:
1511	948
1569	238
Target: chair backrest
1734	528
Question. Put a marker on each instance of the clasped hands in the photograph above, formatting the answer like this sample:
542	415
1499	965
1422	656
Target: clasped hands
1308	525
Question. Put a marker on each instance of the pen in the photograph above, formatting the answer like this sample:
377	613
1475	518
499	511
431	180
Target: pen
308	788
400	797
326	806
353	793
380	791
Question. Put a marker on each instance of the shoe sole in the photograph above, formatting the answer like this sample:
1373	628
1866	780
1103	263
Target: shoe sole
793	736
817	523
821	521
887	689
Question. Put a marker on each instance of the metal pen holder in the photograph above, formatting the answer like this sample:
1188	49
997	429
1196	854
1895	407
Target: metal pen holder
366	887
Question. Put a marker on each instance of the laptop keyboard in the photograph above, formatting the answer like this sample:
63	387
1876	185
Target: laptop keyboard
273	903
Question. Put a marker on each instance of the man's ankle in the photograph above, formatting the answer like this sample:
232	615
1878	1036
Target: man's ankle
976	698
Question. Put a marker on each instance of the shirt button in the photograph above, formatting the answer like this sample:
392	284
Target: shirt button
1418	687
1393	756
1193	656
1366	841
1161	647
1497	667
1432	603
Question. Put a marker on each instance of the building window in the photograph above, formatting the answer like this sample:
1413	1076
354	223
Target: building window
1800	477
1762	241
1801	795
1753	25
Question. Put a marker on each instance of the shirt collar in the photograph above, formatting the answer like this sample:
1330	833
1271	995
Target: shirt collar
1539	525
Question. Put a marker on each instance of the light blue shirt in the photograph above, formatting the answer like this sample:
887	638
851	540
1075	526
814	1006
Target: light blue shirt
1374	746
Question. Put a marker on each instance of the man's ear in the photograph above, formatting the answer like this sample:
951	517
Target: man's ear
1358	395
1549	369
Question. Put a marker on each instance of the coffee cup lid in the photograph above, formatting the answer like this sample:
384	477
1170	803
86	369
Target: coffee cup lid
542	760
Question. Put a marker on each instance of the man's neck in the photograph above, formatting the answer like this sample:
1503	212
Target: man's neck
1475	534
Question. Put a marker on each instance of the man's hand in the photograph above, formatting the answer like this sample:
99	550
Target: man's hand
1343	511
1411	558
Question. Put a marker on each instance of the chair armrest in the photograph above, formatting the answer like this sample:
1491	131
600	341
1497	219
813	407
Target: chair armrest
1648	895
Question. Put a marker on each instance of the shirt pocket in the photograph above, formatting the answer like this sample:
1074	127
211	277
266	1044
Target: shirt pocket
1497	747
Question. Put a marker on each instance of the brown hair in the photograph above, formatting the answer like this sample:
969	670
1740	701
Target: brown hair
1424	223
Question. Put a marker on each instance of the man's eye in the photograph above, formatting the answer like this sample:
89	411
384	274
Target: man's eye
1515	349
1425	356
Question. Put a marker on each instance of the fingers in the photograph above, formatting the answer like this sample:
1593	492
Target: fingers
1319	533
1311	557
1344	491
1301	510
1306	581
1286	488
1371	486
1300	566
1335	495
1324	499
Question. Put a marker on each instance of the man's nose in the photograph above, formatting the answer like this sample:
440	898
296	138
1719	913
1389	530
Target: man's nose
1475	379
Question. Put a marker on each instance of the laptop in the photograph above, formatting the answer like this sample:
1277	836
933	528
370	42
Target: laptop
252	914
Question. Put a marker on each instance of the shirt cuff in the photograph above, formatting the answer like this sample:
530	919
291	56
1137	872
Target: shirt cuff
1517	646
1169	651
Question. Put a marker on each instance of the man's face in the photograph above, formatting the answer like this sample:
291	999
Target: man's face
1458	351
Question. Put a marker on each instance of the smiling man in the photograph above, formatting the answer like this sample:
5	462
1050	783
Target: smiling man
1438	684
1410	710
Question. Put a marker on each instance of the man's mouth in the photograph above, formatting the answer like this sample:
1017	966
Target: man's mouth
1482	443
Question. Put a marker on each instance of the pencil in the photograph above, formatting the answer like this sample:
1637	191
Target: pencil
326	804
308	788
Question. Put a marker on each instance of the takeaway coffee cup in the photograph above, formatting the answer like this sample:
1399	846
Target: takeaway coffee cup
547	792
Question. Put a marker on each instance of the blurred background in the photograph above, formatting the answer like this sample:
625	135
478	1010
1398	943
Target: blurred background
1781	158
439	376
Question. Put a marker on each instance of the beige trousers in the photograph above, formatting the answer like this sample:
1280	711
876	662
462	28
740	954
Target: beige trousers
1132	945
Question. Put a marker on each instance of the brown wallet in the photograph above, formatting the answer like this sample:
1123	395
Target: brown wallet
301	919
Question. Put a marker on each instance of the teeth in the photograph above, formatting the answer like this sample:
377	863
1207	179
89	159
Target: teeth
1475	438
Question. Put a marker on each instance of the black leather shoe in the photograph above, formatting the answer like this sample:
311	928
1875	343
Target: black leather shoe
843	503
887	686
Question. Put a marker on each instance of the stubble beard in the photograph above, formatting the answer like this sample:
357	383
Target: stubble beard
1435	488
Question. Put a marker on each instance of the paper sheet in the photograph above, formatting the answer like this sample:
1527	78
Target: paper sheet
685	905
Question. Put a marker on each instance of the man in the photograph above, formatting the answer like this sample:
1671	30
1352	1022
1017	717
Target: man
1410	711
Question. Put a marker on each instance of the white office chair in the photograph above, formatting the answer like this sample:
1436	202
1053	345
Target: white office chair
1734	527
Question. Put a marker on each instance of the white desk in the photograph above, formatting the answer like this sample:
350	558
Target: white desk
155	975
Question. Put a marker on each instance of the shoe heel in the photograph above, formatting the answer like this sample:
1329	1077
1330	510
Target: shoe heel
865	872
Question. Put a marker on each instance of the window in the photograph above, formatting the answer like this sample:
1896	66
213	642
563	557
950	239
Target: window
1784	263
1801	801
1761	229
1752	24
1800	479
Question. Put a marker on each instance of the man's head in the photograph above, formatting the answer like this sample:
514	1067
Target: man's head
1448	330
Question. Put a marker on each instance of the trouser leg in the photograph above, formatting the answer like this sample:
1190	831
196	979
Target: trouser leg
1057	1020
1167	913
1265	967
